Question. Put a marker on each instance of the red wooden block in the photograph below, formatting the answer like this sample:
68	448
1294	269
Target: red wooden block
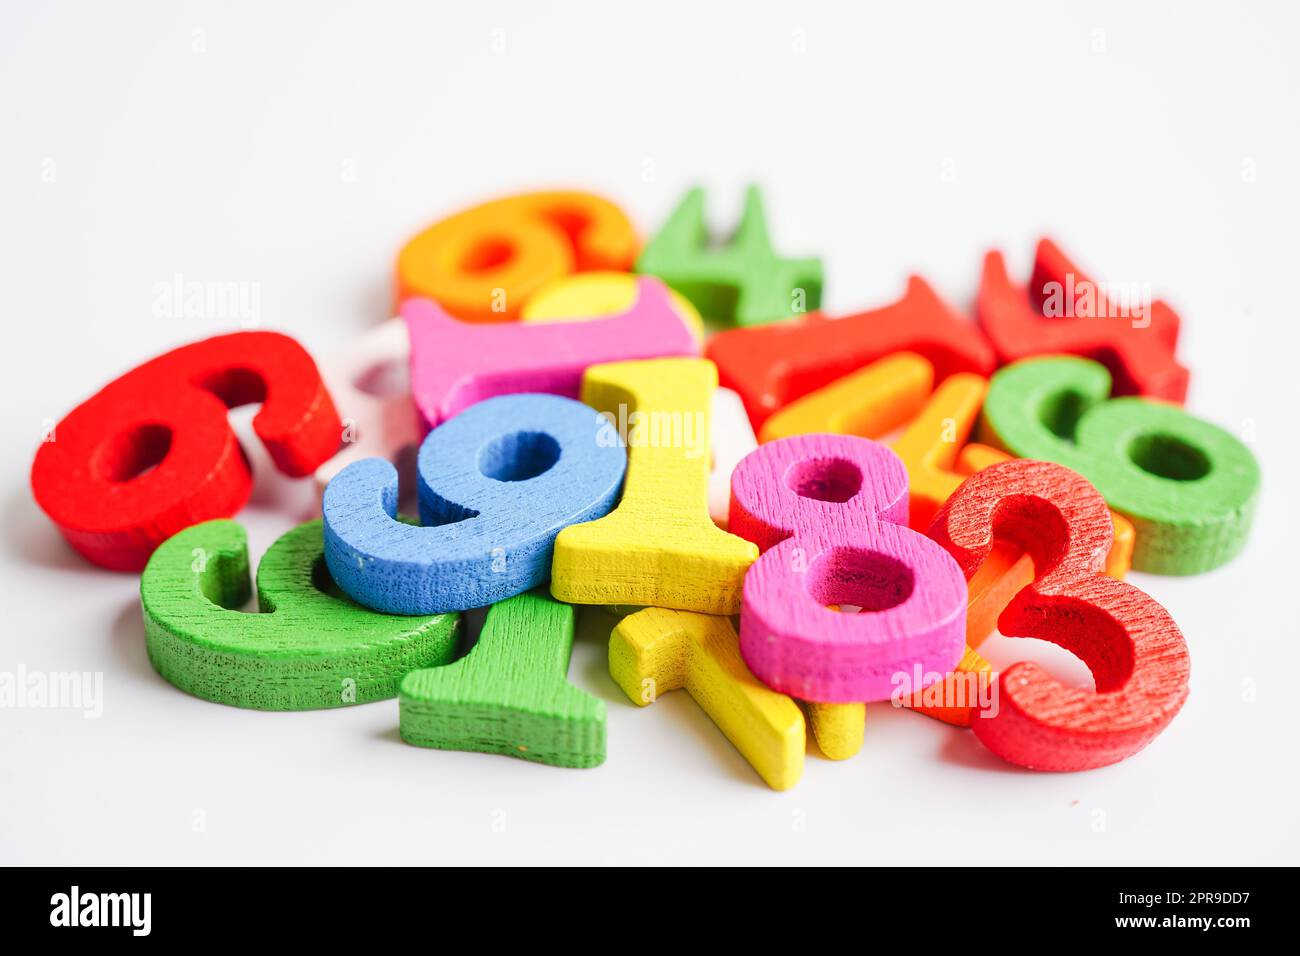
775	364
1064	311
153	452
1135	651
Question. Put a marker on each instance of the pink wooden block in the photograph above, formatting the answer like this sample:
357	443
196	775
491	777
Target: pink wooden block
829	513
455	364
379	418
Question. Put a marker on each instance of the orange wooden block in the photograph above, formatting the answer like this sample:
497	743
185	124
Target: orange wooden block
1004	573
484	263
868	402
930	445
955	696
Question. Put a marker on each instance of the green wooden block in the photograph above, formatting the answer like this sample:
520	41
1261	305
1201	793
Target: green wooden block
311	647
743	282
510	694
1189	487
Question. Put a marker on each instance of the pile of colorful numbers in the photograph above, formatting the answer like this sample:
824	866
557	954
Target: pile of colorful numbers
575	448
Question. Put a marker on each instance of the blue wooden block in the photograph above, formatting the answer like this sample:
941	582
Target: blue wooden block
497	483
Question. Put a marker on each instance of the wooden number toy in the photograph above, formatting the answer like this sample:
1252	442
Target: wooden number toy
590	295
656	650
829	513
772	366
593	295
367	383
496	484
455	364
838	728
484	263
569	447
1063	310
310	647
153	451
1005	570
938	459
743	282
509	695
935	470
1137	655
1189	487
932	440
658	548
731	438
1119	560
869	402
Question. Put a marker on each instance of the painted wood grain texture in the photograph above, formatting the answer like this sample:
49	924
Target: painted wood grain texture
1000	578
956	697
656	650
368	381
929	447
839	729
1004	572
1119	560
484	263
310	647
932	441
829	513
869	402
1138	348
455	364
872	402
1135	651
153	452
509	695
659	547
772	366
597	295
497	484
1188	487
740	282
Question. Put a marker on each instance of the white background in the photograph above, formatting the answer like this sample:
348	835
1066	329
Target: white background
297	146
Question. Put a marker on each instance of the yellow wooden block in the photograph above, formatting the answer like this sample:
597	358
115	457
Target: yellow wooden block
868	402
976	457
591	295
931	442
838	728
1120	557
657	650
659	547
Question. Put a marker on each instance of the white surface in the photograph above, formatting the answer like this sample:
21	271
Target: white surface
303	143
